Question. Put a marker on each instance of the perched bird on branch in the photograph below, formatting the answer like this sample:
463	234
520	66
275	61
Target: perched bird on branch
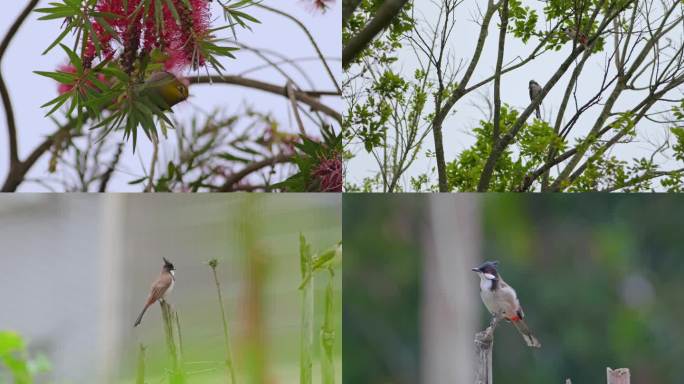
165	89
501	300
535	90
580	37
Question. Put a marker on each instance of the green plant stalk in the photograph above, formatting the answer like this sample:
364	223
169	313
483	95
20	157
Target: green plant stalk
176	375
328	334
230	371
140	373
256	364
306	342
180	339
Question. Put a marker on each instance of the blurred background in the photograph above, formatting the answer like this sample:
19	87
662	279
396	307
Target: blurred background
600	278
76	270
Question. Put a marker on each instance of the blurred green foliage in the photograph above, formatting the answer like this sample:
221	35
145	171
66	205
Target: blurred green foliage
14	357
381	288
599	277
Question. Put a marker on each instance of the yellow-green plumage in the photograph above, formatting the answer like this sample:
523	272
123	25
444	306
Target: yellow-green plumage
165	89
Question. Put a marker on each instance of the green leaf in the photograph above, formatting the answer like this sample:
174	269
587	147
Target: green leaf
73	59
59	38
62	77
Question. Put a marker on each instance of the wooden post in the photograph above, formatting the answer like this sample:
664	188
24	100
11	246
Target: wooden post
617	376
484	343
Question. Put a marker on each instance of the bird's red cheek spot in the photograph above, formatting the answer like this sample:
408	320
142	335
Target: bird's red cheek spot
514	318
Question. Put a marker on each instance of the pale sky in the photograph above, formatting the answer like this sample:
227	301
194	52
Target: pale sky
457	128
29	91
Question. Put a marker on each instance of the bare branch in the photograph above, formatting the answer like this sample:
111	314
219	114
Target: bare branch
302	96
4	93
230	183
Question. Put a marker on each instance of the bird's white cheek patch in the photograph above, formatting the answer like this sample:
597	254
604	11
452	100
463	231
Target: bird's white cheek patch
489	276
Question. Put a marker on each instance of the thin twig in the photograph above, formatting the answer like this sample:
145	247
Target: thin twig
104	181
295	107
313	42
153	162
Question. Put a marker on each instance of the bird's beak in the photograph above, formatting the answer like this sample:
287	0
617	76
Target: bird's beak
475	270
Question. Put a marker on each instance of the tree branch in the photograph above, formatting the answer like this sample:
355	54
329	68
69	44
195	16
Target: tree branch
18	172
503	12
442	111
302	96
229	184
387	12
4	93
348	8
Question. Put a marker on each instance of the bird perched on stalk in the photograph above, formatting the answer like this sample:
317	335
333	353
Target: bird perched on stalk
161	287
501	300
165	89
535	90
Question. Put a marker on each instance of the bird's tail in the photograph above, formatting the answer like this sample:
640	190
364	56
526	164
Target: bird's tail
538	113
521	326
137	322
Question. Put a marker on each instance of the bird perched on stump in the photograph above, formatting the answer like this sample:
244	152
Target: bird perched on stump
535	90
501	300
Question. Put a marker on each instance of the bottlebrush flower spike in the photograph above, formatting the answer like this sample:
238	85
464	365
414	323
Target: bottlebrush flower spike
194	24
329	174
139	31
321	5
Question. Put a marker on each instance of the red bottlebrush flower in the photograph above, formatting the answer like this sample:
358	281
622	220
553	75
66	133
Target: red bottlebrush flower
194	24
139	32
320	5
64	88
69	68
328	173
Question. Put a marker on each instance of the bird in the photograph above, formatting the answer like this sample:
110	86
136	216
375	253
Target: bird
581	37
160	288
535	90
165	89
501	300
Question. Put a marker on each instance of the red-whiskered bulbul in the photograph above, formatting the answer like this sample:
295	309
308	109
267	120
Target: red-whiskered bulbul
535	90
501	300
162	286
581	37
